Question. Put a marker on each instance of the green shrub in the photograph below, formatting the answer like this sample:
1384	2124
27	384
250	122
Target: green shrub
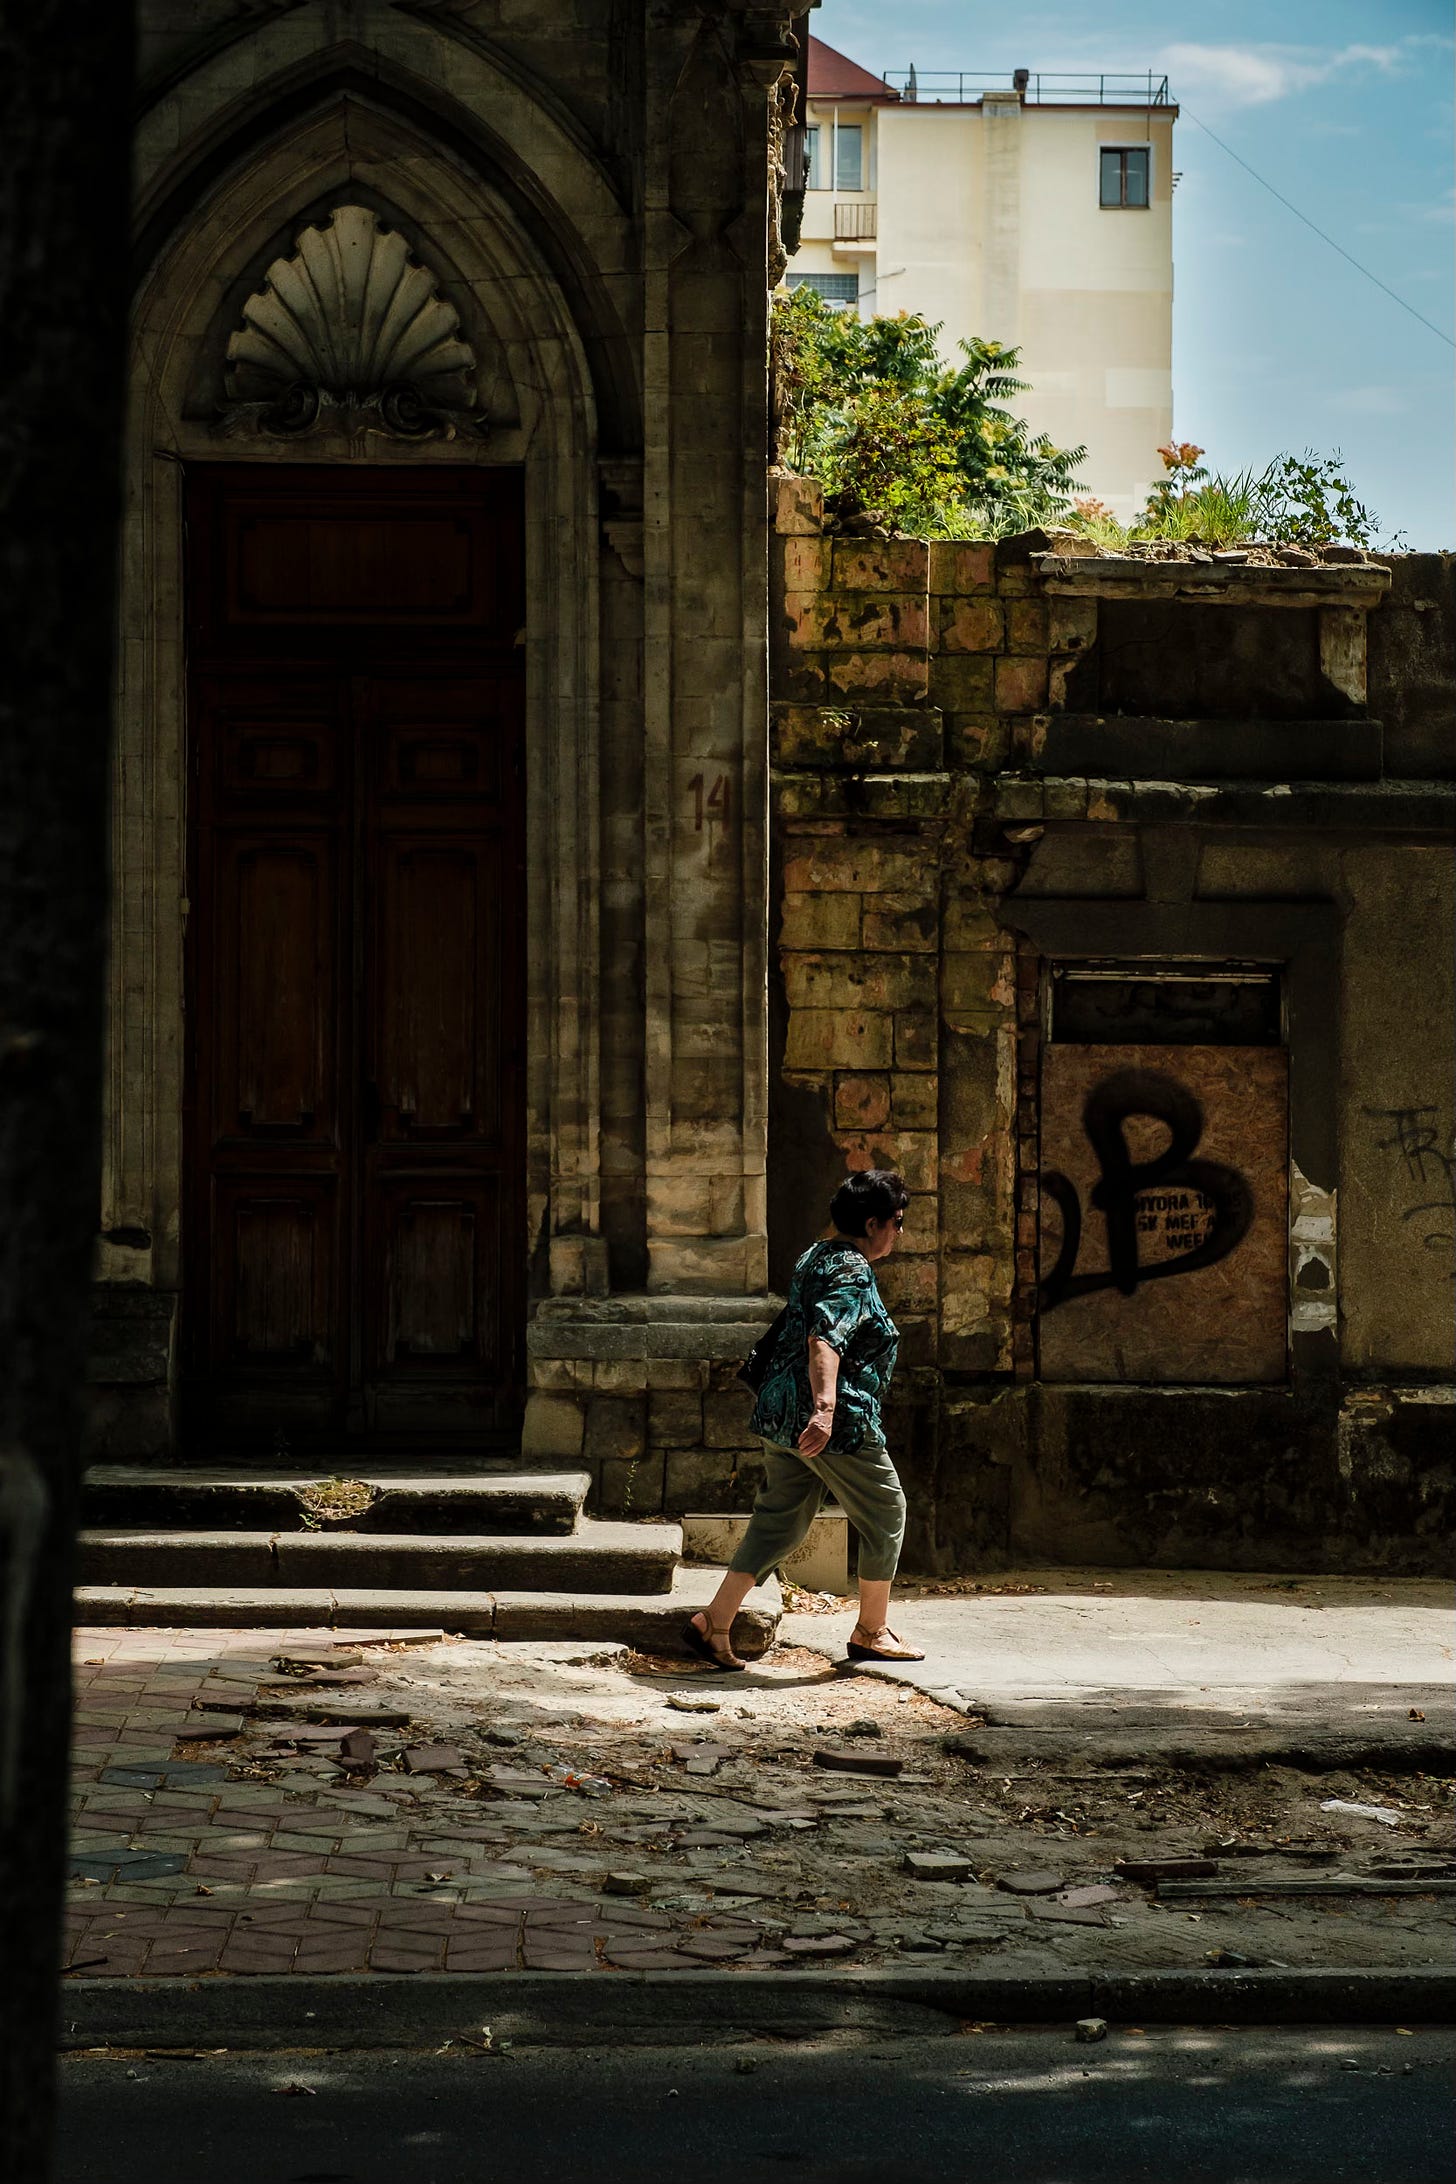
868	408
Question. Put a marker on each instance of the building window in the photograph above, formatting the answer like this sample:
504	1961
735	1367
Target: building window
849	156
814	157
841	290
1125	174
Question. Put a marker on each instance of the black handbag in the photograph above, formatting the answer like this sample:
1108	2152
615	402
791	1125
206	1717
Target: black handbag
753	1372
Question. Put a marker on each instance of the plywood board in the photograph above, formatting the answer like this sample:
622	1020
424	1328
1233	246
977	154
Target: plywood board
1164	1214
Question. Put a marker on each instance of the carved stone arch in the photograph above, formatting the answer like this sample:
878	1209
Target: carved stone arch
461	224
588	251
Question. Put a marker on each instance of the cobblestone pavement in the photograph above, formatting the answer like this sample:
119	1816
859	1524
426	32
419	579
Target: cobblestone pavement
218	1830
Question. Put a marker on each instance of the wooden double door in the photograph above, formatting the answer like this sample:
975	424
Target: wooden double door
354	1244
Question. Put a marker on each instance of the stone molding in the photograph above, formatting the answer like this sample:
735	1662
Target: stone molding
350	331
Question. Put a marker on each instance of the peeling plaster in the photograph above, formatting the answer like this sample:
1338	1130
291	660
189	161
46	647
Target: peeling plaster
1313	1298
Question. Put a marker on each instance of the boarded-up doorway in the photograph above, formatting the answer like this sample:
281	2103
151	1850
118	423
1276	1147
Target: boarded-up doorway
353	1251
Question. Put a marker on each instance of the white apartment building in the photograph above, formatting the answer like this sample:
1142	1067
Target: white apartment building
1036	212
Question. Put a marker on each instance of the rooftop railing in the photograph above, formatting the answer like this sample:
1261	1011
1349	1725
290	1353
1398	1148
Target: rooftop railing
962	87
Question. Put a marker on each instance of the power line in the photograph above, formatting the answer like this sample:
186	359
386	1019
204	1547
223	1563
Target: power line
1429	324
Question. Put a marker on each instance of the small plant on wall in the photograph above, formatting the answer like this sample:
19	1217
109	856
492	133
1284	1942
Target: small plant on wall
1296	500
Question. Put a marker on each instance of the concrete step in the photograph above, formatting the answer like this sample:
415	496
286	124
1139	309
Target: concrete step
650	1621
487	1498
596	1558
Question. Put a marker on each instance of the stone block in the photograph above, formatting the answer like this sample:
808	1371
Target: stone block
889	565
556	1375
975	979
838	1039
1026	625
979	741
804	563
725	1419
620	1376
958	568
630	1487
963	682
970	923
1021	684
900	924
554	1425
803	619
798	506
815	921
1019	798
912	1152
969	625
674	1418
881	678
860	981
865	738
1066	800
704	1479
1071	624
677	1372
900	796
861	1103
916	1039
616	1426
909	1282
820	1563
838	865
874	621
914	1101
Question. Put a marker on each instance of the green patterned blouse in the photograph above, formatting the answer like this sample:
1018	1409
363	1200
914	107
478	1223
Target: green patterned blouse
834	1295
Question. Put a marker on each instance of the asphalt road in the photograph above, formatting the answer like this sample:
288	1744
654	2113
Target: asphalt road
1252	2105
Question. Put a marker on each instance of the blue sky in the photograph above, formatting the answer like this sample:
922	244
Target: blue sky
1278	343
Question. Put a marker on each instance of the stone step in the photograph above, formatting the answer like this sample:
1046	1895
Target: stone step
597	1558
492	1496
650	1621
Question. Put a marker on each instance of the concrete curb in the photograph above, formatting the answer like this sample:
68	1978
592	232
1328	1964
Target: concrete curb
665	2008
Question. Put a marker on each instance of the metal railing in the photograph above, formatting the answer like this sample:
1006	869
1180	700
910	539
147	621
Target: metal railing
854	223
962	87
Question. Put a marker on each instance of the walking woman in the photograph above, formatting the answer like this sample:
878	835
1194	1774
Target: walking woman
818	1413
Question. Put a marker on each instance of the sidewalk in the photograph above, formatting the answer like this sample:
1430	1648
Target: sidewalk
219	1832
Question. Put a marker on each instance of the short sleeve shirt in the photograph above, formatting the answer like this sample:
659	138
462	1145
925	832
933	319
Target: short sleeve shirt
833	1295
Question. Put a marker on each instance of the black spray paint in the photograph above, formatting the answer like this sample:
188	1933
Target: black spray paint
1108	1105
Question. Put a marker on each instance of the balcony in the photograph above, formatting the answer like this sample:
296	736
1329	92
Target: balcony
854	222
966	87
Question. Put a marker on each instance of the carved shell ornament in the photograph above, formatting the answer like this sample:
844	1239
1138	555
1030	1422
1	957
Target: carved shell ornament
351	332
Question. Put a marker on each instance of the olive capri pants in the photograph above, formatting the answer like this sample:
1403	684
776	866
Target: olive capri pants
866	1487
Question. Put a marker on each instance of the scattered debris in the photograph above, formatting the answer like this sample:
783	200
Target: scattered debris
304	1660
862	1729
434	1759
861	1763
570	1778
625	1884
1382	1813
1035	1881
1091	2028
1150	1871
935	1865
336	1501
358	1748
682	1704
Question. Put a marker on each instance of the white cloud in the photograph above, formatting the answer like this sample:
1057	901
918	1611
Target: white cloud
1256	75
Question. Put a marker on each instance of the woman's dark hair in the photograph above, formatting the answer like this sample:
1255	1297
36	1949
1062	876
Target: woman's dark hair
871	1194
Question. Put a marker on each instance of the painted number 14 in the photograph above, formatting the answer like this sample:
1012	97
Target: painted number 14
712	803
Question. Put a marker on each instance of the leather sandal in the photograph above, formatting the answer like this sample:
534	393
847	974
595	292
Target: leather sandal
701	1643
896	1651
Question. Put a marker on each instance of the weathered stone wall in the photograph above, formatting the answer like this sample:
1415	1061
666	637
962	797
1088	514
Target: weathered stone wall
992	765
